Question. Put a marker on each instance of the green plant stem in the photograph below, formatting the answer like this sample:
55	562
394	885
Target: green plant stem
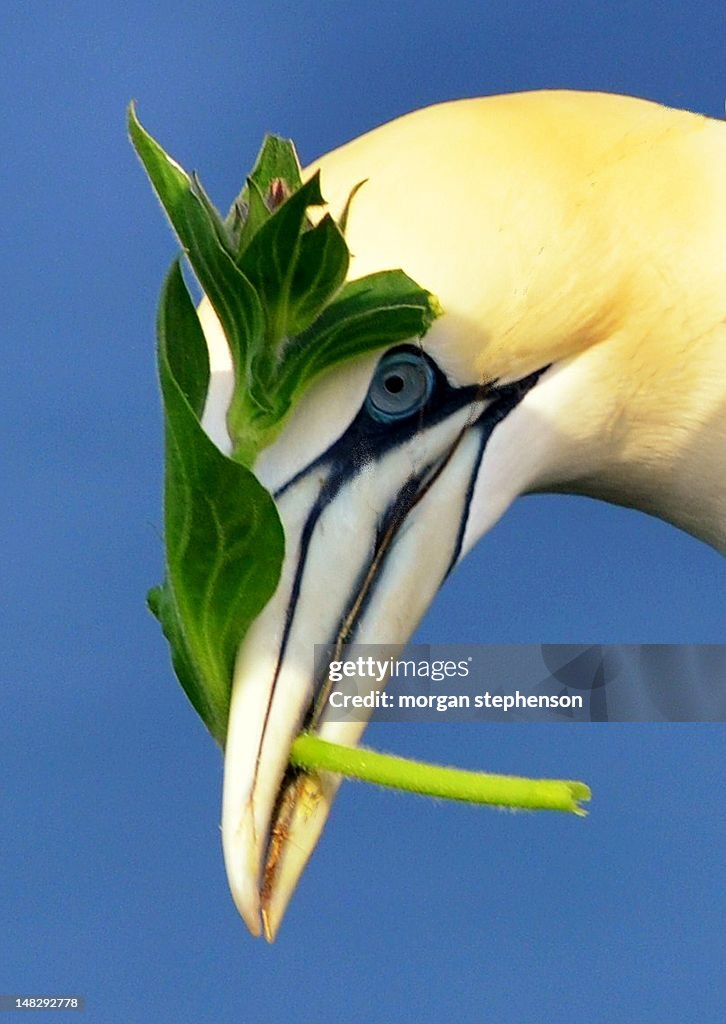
314	754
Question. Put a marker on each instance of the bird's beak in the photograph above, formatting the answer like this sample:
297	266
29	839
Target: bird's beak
370	537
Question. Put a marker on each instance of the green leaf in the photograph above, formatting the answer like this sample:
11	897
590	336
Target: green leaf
181	344
277	160
192	215
213	216
276	163
223	538
202	233
276	284
253	215
320	270
270	259
373	312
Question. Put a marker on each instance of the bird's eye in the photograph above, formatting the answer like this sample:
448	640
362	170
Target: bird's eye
401	386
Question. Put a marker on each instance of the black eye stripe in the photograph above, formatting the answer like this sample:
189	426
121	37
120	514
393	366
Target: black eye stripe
367	437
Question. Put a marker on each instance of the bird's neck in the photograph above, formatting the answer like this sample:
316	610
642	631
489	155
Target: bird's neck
646	428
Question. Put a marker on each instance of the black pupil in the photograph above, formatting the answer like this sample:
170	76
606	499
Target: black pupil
394	384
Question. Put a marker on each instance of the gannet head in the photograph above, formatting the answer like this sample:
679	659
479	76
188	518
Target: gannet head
576	244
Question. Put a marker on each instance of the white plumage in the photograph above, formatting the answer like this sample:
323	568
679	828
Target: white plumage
577	236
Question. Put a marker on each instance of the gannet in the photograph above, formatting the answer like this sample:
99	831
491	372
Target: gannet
577	244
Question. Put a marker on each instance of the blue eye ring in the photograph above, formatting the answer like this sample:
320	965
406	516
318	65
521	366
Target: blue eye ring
401	386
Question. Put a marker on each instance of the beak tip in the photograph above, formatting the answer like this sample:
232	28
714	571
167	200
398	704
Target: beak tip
253	926
247	901
243	869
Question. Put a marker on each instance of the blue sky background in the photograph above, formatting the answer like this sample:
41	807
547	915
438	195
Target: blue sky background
112	883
